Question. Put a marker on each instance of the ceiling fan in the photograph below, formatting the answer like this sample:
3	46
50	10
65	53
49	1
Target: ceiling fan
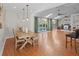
59	12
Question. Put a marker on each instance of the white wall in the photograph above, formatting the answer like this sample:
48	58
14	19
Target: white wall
31	23
12	20
2	36
2	40
64	21
75	20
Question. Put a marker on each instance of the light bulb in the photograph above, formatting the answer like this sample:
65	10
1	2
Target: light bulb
27	19
14	7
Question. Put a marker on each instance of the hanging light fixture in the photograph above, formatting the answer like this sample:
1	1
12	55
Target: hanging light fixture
23	15
27	18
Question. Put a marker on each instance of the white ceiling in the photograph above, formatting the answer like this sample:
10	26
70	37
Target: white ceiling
44	9
65	9
33	8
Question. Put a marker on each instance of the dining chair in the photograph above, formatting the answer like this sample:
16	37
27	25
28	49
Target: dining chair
35	40
17	41
74	36
28	40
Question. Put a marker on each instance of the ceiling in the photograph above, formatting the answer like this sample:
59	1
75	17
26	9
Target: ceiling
65	9
52	10
34	8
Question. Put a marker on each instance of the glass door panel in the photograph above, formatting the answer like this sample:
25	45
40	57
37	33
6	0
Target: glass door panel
42	24
54	24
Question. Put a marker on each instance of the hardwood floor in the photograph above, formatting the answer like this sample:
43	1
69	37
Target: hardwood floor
51	43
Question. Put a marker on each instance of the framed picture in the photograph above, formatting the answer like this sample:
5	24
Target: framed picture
0	25
1	16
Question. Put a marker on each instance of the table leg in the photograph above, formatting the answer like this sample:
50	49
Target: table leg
66	41
23	45
71	42
32	42
75	45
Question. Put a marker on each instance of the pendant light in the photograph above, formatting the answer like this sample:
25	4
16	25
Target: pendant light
27	18
23	15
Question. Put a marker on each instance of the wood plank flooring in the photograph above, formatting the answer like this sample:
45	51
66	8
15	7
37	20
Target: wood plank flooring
51	43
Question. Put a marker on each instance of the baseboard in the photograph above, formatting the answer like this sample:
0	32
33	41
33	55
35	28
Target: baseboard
9	37
3	45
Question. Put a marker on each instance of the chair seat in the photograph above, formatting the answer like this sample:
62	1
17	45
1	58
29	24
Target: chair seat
72	35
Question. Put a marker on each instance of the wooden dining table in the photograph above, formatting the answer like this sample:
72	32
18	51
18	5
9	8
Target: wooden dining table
25	35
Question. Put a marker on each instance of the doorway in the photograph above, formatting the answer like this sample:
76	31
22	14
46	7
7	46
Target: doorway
44	24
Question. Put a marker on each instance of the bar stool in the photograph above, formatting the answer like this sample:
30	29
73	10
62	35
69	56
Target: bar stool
74	36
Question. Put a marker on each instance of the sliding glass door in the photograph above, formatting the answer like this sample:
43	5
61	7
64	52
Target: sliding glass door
54	24
42	24
45	24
